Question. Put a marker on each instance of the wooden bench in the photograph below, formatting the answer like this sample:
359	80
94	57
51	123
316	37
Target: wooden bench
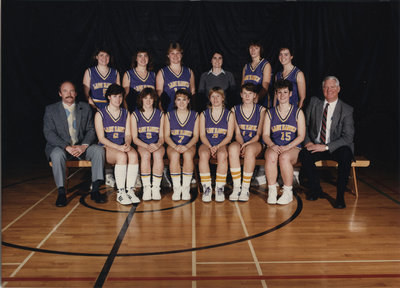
360	162
73	164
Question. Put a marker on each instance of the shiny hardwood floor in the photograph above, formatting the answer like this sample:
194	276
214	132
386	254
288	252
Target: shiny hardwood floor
195	244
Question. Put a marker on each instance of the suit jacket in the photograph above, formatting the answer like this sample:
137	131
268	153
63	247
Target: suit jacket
342	125
55	126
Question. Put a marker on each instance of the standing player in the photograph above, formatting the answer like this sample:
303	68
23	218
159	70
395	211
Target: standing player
181	134
258	72
139	77
112	125
248	127
216	131
173	77
98	78
148	135
284	130
294	75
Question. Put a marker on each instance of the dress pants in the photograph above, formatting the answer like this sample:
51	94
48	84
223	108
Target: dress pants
94	153
343	156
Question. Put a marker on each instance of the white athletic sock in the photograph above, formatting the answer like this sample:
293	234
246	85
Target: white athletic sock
187	178
205	179
246	180
146	179
236	177
176	180
156	180
131	174
220	180
120	175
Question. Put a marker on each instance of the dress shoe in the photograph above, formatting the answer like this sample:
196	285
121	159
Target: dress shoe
339	205
312	197
98	197
61	200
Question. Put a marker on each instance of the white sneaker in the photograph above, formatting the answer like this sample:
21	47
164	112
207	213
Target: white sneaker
155	191
286	197
220	195
132	196
146	193
244	195
207	194
272	194
110	180
122	197
176	196
186	193
235	194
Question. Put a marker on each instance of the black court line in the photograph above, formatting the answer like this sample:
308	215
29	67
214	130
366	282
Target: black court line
286	222
84	203
23	181
114	251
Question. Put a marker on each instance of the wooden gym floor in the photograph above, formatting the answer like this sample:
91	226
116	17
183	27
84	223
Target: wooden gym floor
196	244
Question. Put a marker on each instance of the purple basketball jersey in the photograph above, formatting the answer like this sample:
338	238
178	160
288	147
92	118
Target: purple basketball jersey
216	129
99	85
114	128
248	125
148	128
173	82
255	74
181	132
292	77
283	130
138	83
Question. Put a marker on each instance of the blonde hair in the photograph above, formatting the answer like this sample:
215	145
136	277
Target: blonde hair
219	91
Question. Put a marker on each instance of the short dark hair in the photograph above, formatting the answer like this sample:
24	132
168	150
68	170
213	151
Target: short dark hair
249	87
142	50
106	50
114	89
283	83
217	52
257	43
147	91
290	49
66	81
186	93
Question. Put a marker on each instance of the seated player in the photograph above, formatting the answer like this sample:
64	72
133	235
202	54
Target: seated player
216	131
248	127
181	132
148	134
284	130
112	125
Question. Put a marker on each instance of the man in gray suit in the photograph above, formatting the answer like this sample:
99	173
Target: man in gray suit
69	130
330	132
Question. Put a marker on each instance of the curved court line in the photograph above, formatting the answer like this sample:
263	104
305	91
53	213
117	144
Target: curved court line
84	203
289	220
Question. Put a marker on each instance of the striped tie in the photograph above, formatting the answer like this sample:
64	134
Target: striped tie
323	126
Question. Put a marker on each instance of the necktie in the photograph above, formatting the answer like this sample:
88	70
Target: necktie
323	126
71	124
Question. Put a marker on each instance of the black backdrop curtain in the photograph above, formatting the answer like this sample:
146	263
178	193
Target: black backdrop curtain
44	43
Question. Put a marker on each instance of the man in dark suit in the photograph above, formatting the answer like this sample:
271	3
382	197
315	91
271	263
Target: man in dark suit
69	131
330	132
